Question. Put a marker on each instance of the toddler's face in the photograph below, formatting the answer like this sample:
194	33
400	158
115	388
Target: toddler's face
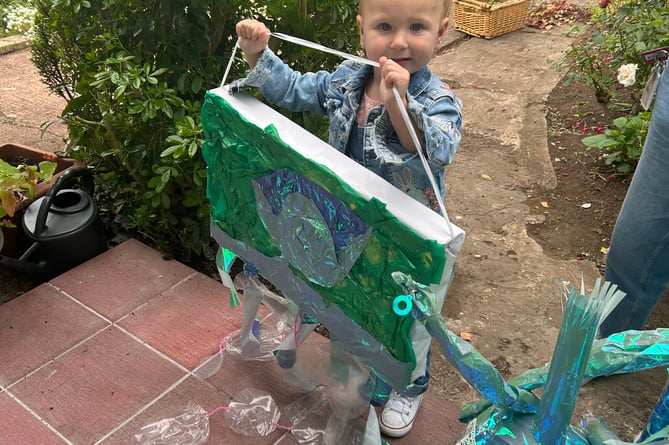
402	30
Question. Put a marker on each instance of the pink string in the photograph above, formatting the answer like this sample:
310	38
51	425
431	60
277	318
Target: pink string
286	428
297	324
220	408
226	409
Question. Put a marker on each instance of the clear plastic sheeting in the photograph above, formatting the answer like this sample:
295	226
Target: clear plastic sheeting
315	423
309	416
347	389
256	339
353	431
266	339
189	427
282	308
211	365
252	413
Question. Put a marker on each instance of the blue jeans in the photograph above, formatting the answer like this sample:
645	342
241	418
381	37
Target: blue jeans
381	391
638	259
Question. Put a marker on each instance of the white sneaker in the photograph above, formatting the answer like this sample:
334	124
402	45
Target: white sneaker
398	415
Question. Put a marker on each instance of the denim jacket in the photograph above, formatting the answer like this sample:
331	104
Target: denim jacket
433	106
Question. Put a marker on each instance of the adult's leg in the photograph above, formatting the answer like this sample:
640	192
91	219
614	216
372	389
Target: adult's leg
638	259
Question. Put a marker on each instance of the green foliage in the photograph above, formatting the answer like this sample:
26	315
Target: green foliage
618	35
134	73
17	182
624	142
591	64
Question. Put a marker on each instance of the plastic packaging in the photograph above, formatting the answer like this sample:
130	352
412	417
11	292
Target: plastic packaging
347	389
252	413
314	423
189	427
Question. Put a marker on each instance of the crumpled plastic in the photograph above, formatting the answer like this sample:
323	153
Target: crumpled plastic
319	235
190	427
252	413
659	418
620	353
315	423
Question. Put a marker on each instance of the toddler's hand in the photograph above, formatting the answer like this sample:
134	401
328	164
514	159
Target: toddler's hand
253	38
393	74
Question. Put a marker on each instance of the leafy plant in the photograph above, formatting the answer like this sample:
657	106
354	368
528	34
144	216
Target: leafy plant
610	55
623	143
134	74
617	35
17	183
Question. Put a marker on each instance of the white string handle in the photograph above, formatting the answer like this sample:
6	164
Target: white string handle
232	58
396	93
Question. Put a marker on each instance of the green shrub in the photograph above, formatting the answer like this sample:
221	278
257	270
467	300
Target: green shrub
617	35
134	73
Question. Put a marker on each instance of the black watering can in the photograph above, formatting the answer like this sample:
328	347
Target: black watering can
63	226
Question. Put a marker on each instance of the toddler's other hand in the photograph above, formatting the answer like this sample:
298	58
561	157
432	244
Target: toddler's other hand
253	38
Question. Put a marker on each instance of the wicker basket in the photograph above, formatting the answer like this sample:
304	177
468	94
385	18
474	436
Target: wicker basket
480	19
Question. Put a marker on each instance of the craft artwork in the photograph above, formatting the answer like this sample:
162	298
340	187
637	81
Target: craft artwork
349	251
321	228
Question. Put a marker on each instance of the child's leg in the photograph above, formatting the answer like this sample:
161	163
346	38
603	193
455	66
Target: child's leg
421	339
401	409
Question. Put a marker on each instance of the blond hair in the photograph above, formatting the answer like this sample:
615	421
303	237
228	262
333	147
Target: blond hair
445	9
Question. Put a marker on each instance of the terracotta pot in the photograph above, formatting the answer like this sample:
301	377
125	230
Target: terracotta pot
15	240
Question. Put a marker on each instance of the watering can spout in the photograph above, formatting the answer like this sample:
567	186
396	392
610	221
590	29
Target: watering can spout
22	265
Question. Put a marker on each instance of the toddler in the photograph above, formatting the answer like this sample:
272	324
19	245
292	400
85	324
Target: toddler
365	123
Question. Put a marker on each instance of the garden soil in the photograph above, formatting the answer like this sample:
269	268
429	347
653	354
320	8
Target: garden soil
537	208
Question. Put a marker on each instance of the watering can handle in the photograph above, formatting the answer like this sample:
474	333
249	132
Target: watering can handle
62	180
